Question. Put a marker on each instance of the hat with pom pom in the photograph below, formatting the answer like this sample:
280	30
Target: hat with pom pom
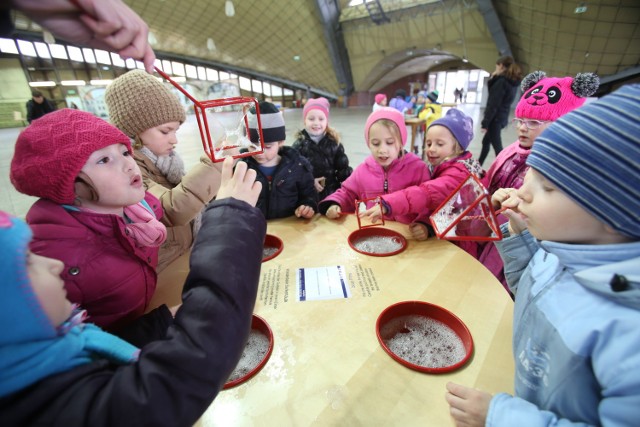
547	98
386	113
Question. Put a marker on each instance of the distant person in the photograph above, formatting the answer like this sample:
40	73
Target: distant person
320	144
57	370
38	106
502	85
572	259
109	25
399	102
286	176
431	111
387	169
380	101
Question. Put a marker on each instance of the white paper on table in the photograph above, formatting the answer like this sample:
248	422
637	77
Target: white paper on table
322	283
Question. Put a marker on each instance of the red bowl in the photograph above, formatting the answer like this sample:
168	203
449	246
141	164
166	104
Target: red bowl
417	310
271	241
258	324
365	233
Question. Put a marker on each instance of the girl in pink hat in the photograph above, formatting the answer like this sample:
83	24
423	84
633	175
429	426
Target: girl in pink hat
389	168
320	144
381	101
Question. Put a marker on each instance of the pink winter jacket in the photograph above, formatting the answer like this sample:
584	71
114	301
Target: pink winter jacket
104	271
425	198
370	180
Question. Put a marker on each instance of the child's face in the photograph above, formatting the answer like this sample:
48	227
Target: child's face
529	130
161	140
115	177
44	274
269	156
315	122
552	215
441	145
384	144
384	101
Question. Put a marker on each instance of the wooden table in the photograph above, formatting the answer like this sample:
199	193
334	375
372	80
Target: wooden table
415	123
327	367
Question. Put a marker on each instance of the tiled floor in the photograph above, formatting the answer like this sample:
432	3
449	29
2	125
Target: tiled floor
349	122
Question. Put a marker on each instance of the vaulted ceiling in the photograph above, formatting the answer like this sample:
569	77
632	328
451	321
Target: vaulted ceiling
293	40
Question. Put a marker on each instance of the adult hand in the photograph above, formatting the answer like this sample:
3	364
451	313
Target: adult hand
109	25
467	406
419	231
305	212
334	212
240	183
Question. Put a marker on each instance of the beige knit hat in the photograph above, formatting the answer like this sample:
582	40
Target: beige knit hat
137	101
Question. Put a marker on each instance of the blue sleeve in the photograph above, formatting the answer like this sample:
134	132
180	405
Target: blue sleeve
516	252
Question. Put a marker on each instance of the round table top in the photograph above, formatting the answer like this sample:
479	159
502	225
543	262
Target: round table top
327	367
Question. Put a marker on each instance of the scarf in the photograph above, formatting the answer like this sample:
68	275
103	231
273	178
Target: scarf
144	228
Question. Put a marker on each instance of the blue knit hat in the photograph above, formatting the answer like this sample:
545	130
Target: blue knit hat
592	154
460	125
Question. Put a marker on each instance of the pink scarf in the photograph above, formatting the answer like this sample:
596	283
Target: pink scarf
144	229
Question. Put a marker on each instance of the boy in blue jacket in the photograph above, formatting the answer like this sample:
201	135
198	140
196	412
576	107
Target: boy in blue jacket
286	176
572	258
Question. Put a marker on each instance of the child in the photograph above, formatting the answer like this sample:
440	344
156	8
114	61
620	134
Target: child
575	275
286	176
544	100
450	164
93	214
431	111
147	111
56	370
381	101
399	102
389	168
320	144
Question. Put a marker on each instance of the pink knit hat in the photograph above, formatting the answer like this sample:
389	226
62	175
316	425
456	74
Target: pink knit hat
321	104
548	98
379	97
390	114
52	150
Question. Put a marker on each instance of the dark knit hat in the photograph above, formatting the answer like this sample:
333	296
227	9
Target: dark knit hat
52	150
272	122
547	98
592	154
389	114
137	101
321	104
460	125
433	95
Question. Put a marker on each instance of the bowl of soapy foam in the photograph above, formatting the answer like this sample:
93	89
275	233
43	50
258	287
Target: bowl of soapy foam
256	353
424	337
377	241
272	247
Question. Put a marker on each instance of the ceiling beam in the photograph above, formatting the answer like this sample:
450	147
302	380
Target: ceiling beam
495	27
330	17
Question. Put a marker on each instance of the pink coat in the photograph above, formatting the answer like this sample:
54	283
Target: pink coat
104	271
370	180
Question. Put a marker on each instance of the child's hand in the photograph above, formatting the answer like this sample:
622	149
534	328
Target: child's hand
508	199
305	212
334	212
500	195
468	406
373	214
318	183
419	231
240	184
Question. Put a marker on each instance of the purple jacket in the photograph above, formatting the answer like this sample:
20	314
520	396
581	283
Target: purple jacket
370	180
423	199
104	271
506	171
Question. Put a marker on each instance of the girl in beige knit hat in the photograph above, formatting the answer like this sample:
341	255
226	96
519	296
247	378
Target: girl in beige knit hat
149	113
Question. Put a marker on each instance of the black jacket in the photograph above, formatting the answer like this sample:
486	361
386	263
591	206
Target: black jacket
327	158
502	91
291	186
177	378
35	110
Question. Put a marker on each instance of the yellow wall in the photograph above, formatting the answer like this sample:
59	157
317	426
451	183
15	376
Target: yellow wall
14	94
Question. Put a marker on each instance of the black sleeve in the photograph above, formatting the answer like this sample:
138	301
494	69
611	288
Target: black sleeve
29	111
341	162
177	378
496	94
150	327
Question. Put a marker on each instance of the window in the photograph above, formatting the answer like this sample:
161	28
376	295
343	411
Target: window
26	48
58	51
212	75
42	49
8	46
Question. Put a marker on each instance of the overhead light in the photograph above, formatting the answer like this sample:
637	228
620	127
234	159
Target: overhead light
100	82
42	84
582	8
211	45
296	57
151	38
73	83
229	10
464	59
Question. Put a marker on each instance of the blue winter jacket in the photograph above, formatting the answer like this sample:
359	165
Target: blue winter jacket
576	340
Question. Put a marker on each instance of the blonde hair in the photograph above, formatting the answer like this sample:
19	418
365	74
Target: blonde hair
331	132
395	131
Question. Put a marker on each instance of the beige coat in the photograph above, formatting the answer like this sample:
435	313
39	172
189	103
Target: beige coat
180	203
